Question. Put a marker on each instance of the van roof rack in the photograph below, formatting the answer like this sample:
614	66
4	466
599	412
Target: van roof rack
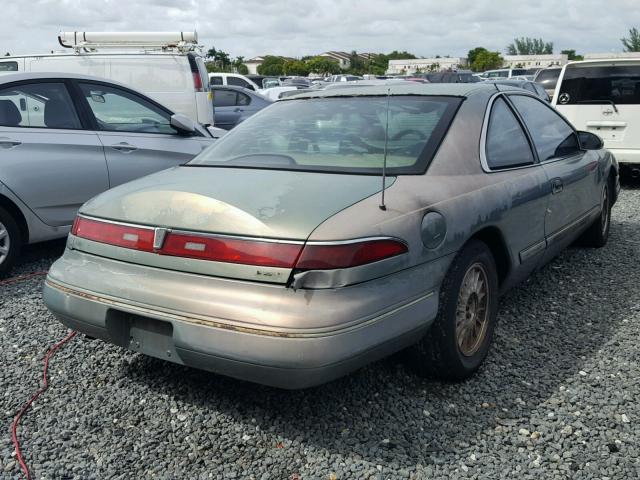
87	42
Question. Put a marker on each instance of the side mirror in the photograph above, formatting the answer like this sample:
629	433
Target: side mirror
216	132
183	124
590	141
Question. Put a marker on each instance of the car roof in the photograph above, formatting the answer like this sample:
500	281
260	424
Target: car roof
411	88
606	61
18	77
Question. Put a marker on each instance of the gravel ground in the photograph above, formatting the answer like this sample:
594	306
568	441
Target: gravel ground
557	397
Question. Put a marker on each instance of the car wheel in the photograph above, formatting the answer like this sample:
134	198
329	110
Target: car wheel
458	341
10	242
598	233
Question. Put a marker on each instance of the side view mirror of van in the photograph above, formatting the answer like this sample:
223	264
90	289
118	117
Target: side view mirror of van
590	141
183	124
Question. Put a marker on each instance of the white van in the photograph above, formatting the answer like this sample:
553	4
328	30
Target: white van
603	97
159	64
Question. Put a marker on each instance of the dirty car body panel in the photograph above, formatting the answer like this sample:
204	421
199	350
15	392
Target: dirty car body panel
307	320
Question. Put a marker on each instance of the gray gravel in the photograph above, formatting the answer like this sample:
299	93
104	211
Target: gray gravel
557	398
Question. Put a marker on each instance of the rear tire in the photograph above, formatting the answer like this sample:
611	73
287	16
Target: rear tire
10	242
597	234
458	341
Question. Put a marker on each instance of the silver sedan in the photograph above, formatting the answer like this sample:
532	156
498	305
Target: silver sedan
65	138
335	228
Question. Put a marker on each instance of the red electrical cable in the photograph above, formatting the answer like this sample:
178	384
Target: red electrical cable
14	425
20	278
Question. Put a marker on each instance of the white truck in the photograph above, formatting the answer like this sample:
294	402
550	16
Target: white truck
167	66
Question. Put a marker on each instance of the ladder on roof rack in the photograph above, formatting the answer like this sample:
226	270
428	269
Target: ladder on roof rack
148	41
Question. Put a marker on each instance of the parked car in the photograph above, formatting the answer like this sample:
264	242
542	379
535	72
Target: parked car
232	79
275	257
603	97
548	77
451	77
234	105
503	73
173	76
533	87
265	81
64	138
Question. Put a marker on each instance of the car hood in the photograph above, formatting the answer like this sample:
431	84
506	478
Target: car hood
235	201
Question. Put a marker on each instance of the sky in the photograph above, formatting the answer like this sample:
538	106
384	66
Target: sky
296	28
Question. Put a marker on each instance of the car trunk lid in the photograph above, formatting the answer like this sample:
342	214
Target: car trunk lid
266	209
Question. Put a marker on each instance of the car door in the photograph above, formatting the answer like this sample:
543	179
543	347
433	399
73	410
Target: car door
136	132
508	154
47	158
227	110
572	172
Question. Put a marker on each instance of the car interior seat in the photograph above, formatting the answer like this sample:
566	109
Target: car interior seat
9	114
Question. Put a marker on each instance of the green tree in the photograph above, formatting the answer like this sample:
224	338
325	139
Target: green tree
239	66
471	56
487	61
296	67
571	55
396	55
323	66
631	44
529	46
272	66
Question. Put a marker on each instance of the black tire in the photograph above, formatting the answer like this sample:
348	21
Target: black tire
439	354
10	242
597	234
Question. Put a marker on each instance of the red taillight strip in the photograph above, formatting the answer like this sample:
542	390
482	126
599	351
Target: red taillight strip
351	253
224	249
113	233
241	250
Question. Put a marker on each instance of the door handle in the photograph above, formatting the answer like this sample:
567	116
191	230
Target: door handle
556	185
8	143
239	110
124	147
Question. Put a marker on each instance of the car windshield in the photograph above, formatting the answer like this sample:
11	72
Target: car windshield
613	83
338	134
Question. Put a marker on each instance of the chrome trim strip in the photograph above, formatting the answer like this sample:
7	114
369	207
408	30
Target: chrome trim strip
567	228
532	250
355	240
163	314
114	222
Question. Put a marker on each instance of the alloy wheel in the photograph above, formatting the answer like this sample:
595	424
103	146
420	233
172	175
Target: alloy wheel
472	310
605	210
5	243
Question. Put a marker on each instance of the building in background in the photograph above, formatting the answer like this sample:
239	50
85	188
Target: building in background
344	58
253	63
435	64
535	61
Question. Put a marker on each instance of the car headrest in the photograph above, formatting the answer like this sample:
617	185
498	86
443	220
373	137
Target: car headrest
58	114
9	114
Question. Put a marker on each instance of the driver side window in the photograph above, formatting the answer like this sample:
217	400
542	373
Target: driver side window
117	110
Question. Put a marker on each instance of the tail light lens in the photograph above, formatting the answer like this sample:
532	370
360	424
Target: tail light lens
137	238
325	256
330	256
221	249
197	82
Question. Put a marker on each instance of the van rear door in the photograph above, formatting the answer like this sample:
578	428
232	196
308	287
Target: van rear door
604	98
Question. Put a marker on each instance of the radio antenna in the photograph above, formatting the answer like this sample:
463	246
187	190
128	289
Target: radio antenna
384	160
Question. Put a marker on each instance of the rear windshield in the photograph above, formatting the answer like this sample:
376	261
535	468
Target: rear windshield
614	83
548	78
338	134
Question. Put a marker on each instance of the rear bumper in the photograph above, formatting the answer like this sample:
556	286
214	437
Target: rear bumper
291	357
624	156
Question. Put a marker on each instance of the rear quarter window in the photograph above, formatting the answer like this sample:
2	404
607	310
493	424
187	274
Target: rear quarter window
8	66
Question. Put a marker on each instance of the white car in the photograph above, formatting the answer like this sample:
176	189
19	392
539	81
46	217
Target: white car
603	97
503	73
234	79
161	65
